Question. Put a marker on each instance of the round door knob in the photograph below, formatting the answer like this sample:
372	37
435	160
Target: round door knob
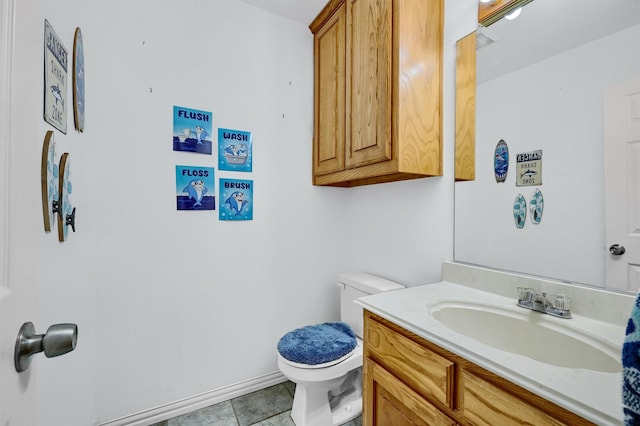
616	249
58	340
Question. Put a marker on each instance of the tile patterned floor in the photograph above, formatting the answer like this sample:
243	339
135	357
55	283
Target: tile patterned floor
266	407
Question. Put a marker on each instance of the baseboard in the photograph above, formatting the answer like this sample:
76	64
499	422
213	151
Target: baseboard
187	405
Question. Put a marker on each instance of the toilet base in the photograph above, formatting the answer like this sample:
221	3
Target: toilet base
321	406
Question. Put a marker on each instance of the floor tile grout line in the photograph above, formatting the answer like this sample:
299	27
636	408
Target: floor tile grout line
235	412
265	419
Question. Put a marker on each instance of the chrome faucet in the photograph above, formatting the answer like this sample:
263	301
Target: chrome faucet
557	305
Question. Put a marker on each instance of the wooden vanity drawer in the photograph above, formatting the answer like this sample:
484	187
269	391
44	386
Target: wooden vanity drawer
425	372
394	403
483	403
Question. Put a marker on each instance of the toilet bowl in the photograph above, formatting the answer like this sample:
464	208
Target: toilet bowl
330	392
328	395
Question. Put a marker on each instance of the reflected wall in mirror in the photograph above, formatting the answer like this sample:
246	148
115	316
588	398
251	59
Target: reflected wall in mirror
540	86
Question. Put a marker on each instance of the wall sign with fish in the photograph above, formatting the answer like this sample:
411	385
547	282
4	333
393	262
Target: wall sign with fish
234	150
55	79
529	168
236	199
195	188
192	130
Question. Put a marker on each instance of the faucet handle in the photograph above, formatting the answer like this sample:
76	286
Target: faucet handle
560	301
526	294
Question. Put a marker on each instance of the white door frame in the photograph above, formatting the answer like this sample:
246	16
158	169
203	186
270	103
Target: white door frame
6	63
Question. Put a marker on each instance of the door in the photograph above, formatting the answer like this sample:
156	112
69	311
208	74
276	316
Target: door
21	39
622	184
330	95
369	71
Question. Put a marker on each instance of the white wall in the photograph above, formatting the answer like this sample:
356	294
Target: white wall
403	230
172	304
554	105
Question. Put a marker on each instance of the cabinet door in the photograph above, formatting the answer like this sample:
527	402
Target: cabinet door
486	404
388	401
369	83
423	370
329	46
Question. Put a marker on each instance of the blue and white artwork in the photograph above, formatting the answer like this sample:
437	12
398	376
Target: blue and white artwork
234	150
519	211
529	168
501	161
236	199
536	206
50	180
66	211
192	130
55	79
195	188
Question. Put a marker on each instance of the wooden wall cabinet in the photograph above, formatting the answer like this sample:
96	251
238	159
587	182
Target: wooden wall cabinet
410	381
465	157
378	91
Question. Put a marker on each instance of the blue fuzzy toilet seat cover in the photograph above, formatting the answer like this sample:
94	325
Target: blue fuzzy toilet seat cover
318	344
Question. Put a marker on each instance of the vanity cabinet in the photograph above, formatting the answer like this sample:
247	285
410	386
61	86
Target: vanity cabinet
408	380
377	91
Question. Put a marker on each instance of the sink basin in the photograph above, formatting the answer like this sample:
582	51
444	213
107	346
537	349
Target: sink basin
531	334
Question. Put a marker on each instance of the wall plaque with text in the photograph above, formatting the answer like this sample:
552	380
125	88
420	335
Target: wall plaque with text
55	79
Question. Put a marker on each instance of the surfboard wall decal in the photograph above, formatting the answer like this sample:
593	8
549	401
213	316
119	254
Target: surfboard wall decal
501	161
49	180
519	211
536	206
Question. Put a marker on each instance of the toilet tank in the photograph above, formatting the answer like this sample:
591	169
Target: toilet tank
355	285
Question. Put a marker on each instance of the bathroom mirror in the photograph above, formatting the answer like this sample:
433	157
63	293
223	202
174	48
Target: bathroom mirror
539	87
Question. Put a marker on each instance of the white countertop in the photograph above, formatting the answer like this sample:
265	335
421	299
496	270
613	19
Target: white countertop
593	395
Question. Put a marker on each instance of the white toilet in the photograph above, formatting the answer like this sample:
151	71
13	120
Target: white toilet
330	392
